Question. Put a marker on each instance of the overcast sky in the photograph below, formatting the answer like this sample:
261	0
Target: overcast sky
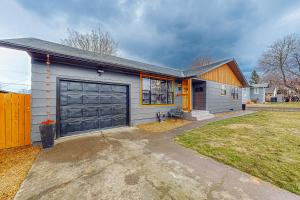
168	32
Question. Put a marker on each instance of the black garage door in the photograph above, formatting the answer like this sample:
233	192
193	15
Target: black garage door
87	105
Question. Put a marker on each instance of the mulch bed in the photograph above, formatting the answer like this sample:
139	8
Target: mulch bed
14	166
158	127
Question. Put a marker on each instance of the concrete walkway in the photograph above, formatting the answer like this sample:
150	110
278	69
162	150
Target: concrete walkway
133	164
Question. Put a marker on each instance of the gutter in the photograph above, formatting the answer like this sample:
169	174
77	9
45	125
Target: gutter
125	67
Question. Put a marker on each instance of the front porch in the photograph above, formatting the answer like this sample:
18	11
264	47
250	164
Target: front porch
194	99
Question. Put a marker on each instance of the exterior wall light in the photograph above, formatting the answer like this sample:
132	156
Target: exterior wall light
100	72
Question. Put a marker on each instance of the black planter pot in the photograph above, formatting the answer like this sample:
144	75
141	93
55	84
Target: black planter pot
47	135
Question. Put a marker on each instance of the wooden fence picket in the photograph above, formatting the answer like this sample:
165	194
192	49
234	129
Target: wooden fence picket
14	120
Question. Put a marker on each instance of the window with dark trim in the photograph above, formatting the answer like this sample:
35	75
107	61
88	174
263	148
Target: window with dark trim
157	91
235	93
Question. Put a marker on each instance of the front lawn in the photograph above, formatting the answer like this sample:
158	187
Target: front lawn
263	144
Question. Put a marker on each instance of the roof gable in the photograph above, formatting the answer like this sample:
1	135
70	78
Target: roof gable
200	70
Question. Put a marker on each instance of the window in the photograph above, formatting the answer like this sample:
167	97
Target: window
235	93
157	91
256	90
223	90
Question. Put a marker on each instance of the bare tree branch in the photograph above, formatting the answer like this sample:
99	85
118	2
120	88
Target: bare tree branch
97	41
281	62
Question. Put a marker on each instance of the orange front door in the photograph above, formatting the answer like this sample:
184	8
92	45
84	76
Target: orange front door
186	94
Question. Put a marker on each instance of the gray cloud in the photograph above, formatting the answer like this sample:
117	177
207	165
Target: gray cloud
173	32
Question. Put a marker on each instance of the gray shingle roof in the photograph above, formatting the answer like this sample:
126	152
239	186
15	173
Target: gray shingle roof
198	70
42	46
45	47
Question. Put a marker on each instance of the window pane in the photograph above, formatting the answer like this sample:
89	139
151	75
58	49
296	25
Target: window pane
223	90
156	91
146	97
163	92
170	92
170	86
155	86
170	97
146	91
146	84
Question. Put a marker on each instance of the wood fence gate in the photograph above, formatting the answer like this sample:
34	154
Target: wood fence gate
14	120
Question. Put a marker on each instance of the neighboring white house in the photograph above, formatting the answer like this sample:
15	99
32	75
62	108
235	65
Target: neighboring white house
256	92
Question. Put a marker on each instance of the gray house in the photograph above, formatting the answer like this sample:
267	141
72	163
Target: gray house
84	91
255	92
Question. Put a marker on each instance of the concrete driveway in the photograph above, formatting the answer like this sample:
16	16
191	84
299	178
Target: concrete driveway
131	164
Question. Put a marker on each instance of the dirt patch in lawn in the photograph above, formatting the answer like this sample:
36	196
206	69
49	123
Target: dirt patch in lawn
158	127
14	166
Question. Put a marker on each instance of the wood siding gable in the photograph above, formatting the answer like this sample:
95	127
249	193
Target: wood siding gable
222	74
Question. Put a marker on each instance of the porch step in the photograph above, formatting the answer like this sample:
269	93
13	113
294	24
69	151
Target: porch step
198	115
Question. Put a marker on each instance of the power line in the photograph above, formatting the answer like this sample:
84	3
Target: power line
2	84
15	71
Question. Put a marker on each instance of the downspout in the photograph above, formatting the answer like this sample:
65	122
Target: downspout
48	76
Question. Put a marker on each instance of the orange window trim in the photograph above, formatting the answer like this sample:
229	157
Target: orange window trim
156	77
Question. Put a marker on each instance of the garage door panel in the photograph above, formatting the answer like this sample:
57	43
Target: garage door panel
105	122
75	86
105	110
74	126
63	86
118	109
118	99
119	120
63	100
88	106
90	124
74	112
91	87
63	114
105	88
74	99
90	112
119	88
105	99
90	99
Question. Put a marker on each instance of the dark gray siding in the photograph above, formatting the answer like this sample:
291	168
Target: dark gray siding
216	103
44	101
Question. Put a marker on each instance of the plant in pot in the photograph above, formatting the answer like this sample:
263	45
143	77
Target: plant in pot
47	133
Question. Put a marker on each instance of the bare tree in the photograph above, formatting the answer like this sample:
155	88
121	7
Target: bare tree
281	62
296	58
97	41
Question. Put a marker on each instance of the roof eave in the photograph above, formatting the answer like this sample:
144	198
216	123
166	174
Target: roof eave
41	51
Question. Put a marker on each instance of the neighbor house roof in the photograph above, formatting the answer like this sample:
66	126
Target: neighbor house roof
33	45
260	85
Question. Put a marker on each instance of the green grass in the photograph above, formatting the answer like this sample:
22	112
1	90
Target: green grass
279	105
263	144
